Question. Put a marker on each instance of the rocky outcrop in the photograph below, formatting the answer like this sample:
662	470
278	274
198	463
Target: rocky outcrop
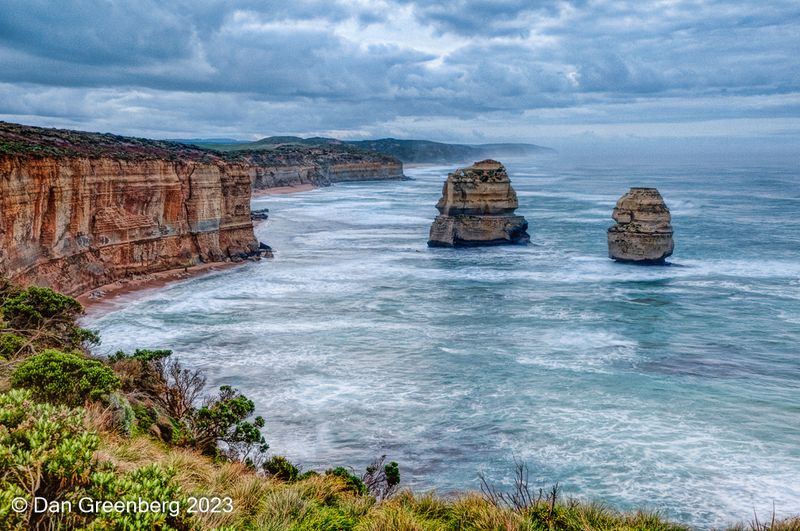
643	233
477	208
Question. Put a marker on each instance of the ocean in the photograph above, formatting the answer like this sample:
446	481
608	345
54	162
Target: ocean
674	388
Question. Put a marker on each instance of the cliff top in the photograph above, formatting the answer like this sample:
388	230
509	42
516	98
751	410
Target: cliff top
485	171
487	164
36	142
39	142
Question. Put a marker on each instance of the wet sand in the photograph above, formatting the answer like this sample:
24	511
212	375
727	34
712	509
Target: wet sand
278	190
94	299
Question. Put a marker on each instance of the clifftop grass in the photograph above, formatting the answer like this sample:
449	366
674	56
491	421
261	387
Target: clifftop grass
39	142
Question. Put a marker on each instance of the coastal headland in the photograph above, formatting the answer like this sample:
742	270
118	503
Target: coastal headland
84	210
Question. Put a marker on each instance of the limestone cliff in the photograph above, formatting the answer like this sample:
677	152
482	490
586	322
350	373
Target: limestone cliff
78	211
642	233
291	165
477	208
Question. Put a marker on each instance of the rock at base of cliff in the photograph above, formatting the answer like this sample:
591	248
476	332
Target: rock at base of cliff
477	208
260	214
470	231
265	250
643	233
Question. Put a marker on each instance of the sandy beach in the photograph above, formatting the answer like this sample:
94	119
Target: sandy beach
279	190
94	299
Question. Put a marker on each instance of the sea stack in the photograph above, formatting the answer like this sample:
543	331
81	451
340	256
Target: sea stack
477	208
642	234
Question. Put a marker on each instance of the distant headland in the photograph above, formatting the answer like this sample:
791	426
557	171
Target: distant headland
408	151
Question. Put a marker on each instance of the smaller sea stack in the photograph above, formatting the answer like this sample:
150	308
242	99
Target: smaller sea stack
477	208
642	234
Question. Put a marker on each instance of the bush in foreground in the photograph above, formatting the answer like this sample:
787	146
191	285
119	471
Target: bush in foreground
47	317
46	451
64	378
282	469
220	428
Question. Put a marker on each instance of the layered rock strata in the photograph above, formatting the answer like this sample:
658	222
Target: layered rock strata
318	166
643	233
477	208
78	223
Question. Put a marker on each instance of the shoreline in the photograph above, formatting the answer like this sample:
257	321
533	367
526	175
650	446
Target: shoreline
106	294
94	299
281	190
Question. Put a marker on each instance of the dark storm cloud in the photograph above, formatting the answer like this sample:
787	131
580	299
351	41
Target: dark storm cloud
95	32
486	17
393	65
256	49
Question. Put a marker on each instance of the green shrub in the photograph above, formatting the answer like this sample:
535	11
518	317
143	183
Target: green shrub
46	451
32	306
145	417
224	420
150	483
60	377
142	355
47	313
10	345
280	468
351	481
392	471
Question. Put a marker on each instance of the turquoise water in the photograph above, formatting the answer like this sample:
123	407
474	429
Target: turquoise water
674	388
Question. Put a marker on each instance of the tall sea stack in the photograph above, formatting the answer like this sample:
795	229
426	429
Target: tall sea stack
477	208
643	233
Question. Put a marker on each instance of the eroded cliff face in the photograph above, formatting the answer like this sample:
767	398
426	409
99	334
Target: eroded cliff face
318	166
76	223
265	176
364	170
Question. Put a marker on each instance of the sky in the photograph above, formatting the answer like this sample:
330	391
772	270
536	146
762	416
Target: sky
464	70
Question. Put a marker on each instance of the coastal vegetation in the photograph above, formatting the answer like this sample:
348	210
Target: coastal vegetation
410	151
38	142
140	426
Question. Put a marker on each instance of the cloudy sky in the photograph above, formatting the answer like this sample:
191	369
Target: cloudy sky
464	70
